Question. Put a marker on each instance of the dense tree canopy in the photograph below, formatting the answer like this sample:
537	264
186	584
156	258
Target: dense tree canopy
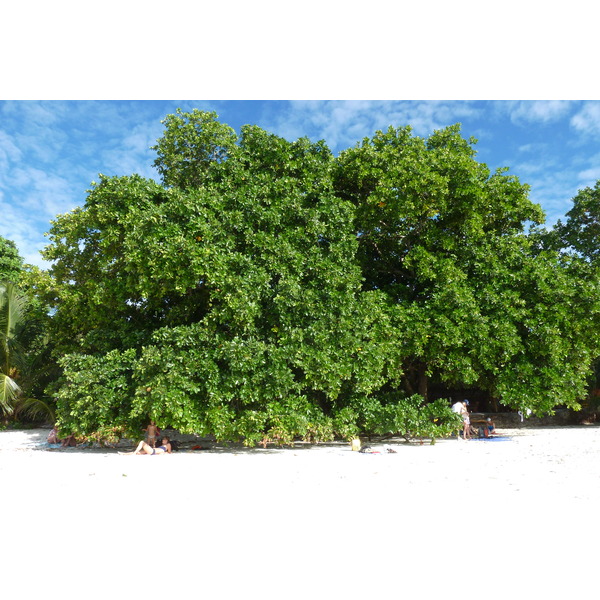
444	239
578	239
225	306
581	231
267	289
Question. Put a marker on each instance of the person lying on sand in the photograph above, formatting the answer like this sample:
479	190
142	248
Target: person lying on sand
143	448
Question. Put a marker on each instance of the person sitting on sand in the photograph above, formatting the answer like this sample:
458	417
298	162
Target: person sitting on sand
490	428
69	442
53	436
143	448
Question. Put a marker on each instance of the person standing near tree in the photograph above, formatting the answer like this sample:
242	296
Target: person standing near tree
152	432
466	420
461	408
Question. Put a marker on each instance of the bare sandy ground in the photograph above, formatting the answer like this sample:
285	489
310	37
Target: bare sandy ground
515	518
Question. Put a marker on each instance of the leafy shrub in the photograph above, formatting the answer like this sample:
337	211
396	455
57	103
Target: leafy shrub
394	414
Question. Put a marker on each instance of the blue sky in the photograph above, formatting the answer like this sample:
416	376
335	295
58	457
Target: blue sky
50	151
81	90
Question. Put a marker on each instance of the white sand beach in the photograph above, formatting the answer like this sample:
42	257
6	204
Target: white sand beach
514	518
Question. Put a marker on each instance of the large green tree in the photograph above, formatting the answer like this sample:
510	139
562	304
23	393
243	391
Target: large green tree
578	240
266	289
228	302
444	239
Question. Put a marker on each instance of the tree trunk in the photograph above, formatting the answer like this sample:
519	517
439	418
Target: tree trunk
407	385
494	403
422	373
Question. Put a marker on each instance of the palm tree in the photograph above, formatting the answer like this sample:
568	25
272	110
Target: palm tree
12	307
17	367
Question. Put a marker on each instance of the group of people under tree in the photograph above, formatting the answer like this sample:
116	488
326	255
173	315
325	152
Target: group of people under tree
461	408
147	446
66	442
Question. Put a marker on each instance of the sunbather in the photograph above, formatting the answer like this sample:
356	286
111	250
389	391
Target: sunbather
143	448
490	428
53	436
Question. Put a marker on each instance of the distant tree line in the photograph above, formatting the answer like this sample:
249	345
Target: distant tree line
267	290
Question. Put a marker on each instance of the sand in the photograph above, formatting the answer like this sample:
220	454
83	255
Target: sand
514	518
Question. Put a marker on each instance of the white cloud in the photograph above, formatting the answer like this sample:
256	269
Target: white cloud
36	129
554	193
587	120
533	148
522	112
552	177
9	152
590	173
44	192
344	123
131	153
36	197
51	151
34	114
16	226
589	176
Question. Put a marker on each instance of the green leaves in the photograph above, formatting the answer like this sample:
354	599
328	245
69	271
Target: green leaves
398	415
193	146
581	231
238	291
12	311
95	398
269	291
11	264
444	239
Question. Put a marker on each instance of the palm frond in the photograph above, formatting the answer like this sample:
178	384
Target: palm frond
12	310
12	315
35	409
9	393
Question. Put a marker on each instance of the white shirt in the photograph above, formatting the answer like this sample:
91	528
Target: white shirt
458	408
